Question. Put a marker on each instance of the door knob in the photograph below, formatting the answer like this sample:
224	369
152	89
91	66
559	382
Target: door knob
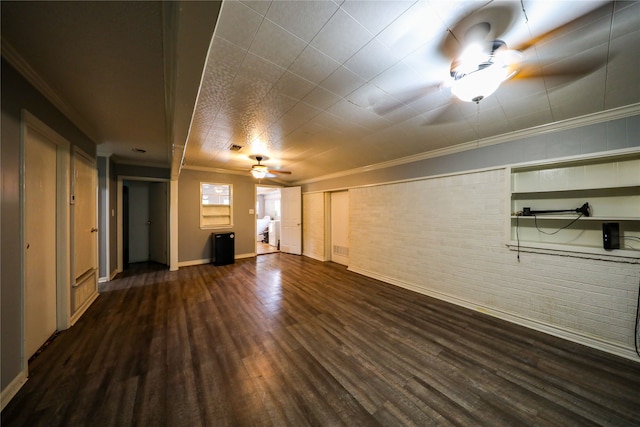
93	229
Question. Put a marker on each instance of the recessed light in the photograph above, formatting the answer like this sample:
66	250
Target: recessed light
138	150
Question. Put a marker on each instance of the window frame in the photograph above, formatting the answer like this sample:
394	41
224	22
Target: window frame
217	210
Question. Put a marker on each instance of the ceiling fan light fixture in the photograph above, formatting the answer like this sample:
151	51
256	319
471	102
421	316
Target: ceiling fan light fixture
479	84
259	171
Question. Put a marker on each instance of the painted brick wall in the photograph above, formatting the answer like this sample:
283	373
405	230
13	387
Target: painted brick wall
445	237
313	226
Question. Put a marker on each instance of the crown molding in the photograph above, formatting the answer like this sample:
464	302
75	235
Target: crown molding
230	172
214	170
589	119
31	75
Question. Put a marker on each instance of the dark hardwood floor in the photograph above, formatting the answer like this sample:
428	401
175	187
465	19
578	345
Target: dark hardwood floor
285	340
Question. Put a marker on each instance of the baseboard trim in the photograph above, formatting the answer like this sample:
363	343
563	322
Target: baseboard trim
10	391
83	308
247	255
208	260
317	258
557	331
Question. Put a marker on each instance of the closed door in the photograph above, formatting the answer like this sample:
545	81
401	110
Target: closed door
85	218
40	240
291	223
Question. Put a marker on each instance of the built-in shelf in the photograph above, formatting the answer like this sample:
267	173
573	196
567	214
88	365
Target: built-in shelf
611	187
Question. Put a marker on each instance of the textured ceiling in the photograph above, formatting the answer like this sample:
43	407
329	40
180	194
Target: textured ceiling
322	87
319	87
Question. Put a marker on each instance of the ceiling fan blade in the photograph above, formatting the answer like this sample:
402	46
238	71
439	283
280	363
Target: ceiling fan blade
484	25
447	114
562	71
581	21
279	172
398	100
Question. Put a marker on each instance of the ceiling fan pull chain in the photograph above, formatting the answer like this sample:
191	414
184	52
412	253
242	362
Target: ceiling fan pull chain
478	123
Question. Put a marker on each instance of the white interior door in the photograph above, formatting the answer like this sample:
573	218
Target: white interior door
85	231
340	227
158	222
40	241
291	223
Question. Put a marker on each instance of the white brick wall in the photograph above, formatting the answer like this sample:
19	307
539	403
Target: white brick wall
446	237
313	226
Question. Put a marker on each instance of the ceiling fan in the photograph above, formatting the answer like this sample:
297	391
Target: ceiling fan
260	171
481	61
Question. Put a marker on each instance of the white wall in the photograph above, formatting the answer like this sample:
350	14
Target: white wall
313	226
446	237
271	201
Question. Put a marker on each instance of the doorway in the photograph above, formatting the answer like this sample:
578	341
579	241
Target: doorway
46	246
40	241
268	217
145	222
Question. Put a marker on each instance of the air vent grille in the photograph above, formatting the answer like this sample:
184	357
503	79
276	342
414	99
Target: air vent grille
235	147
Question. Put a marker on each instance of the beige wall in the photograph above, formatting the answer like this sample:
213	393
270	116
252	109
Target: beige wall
194	244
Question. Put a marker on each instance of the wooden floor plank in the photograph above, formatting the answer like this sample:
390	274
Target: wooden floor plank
286	340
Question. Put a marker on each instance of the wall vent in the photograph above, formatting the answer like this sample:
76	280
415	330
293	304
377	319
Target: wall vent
235	147
340	250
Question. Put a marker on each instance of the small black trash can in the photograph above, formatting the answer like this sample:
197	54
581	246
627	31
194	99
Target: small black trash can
223	248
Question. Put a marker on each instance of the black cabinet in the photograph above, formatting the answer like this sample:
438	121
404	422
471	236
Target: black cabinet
223	248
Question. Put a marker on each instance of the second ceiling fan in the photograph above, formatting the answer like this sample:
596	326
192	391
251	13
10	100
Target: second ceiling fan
260	171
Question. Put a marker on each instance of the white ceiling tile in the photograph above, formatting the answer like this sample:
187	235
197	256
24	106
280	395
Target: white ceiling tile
302	18
293	86
620	89
579	97
417	26
357	114
260	6
366	95
296	117
371	60
376	15
342	82
397	79
341	37
530	118
238	23
313	65
256	77
321	98
429	64
276	45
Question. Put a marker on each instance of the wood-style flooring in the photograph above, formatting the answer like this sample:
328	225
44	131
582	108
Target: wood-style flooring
283	340
265	248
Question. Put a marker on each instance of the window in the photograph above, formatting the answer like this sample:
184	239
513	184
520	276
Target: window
216	209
